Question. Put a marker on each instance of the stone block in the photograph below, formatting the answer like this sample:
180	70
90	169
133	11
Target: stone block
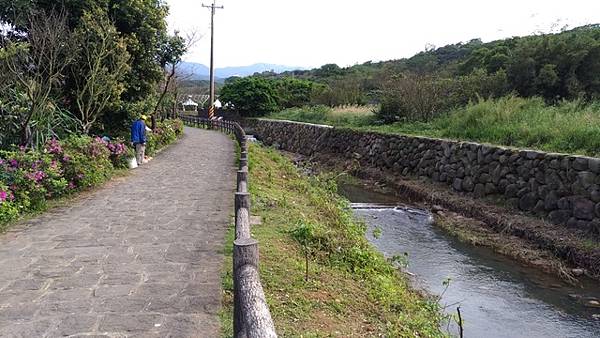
580	164
586	179
511	190
594	165
559	216
490	189
479	190
467	184
583	209
528	202
564	203
457	184
551	201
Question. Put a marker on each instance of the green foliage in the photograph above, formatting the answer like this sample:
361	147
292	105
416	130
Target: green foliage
166	132
349	116
350	282
568	126
558	66
100	83
88	159
28	96
421	98
28	178
99	69
294	92
251	96
554	66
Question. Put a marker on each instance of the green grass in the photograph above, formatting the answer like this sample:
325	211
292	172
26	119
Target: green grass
347	117
567	127
351	291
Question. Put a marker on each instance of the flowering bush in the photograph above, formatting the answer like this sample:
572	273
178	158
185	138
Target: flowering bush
165	133
28	178
31	177
8	209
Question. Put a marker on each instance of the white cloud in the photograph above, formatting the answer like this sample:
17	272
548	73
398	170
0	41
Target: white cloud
311	33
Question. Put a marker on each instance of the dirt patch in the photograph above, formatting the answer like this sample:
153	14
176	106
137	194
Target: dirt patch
556	249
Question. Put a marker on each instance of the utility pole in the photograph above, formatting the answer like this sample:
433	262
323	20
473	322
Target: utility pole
211	100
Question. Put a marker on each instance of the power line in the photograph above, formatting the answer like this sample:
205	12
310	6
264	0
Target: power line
213	7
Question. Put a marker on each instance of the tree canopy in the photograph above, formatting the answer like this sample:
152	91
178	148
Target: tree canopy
115	54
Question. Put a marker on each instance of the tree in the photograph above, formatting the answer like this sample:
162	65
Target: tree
36	69
171	51
294	92
99	68
251	96
140	23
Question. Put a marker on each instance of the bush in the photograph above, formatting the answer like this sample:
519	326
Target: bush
29	178
421	98
87	161
251	96
166	132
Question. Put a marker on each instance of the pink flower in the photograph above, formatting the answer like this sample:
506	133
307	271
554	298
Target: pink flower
54	147
71	185
3	196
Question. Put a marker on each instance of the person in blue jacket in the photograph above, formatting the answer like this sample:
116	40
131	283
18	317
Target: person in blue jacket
138	138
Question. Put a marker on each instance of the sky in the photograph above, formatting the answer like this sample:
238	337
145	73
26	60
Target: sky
310	33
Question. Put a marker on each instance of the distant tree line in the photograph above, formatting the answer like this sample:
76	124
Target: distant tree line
558	66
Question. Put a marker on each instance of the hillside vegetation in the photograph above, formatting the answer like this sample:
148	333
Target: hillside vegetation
567	127
538	91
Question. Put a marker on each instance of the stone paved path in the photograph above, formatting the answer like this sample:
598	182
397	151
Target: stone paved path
141	257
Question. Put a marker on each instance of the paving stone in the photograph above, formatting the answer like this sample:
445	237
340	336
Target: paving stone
73	325
140	257
132	322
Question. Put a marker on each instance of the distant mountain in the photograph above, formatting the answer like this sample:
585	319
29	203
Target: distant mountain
198	71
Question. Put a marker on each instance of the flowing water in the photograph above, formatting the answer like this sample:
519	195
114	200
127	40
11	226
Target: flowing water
497	296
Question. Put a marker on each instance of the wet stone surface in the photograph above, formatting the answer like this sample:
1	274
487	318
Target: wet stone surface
140	257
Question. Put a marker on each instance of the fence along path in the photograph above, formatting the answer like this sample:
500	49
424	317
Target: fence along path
140	257
251	316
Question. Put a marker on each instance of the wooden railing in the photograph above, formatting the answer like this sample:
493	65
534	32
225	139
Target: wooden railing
251	316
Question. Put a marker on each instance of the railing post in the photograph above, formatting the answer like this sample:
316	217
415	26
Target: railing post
243	159
242	180
245	252
242	215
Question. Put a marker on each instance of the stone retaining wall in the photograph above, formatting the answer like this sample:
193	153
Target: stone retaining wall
563	188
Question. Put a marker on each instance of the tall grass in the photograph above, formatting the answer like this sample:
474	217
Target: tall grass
356	116
567	127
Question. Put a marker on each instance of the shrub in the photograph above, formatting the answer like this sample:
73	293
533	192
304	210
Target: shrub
165	133
29	178
421	98
9	210
87	161
32	177
251	96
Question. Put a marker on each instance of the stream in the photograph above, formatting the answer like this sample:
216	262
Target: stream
498	297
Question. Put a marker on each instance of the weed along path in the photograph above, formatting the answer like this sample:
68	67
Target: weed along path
140	257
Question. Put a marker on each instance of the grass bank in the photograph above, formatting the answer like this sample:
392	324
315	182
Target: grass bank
567	127
351	289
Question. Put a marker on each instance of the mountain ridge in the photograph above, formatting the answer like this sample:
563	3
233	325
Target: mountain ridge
198	71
